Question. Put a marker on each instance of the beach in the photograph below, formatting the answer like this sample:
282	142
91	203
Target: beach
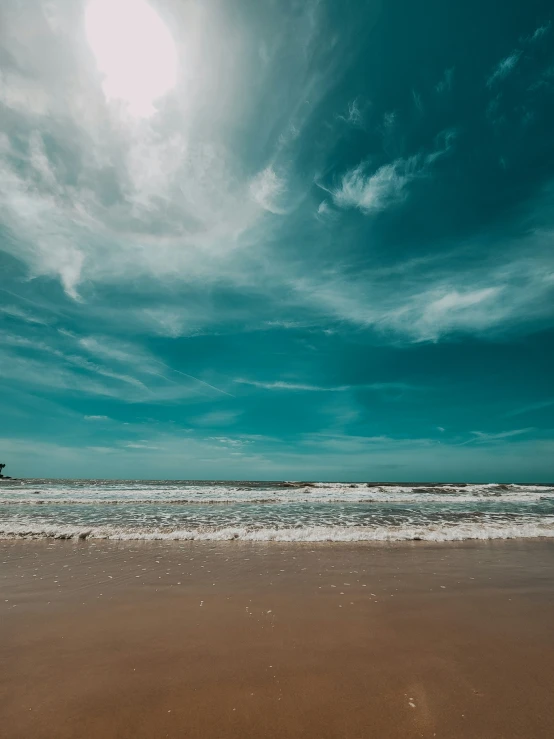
237	639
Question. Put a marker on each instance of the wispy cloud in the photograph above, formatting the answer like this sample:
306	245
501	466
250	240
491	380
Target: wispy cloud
354	115
117	369
372	192
16	312
285	385
504	68
446	311
481	437
541	31
267	190
214	419
418	102
444	85
293	386
428	302
539	405
140	445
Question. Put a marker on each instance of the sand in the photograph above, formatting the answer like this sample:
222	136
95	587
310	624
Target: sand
145	639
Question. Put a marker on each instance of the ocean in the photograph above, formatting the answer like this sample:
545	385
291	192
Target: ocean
272	511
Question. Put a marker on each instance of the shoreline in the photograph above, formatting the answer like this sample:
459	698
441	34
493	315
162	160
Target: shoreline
287	537
247	639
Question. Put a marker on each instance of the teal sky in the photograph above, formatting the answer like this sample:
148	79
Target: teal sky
325	253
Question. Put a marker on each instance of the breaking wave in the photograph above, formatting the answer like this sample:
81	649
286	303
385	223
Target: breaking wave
273	511
433	532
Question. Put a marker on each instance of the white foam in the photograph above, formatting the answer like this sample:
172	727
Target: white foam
432	532
160	494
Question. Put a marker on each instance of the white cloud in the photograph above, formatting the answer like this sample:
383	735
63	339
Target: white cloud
306	387
109	198
267	190
96	418
122	370
501	435
444	312
354	115
16	312
504	68
325	212
298	386
377	191
37	373
169	206
135	445
386	186
427	302
481	437
541	31
217	418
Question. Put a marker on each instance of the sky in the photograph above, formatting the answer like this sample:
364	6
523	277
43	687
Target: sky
277	239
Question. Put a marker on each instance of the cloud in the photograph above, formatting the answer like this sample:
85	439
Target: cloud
425	300
120	370
307	387
16	312
541	31
38	374
90	195
418	102
103	348
228	441
325	212
444	85
315	456
539	405
294	386
504	68
386	186
377	191
267	190
217	418
96	418
354	115
185	198
167	219
135	445
480	437
444	312
136	357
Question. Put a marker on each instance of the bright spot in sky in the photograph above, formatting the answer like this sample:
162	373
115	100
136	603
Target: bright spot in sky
134	52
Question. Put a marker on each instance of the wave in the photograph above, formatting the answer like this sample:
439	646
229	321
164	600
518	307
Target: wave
432	532
140	497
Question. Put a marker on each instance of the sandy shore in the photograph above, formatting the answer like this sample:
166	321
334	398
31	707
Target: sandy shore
138	639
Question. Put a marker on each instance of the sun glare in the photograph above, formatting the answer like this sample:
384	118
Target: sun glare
134	52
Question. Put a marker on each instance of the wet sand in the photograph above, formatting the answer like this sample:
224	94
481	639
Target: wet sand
147	639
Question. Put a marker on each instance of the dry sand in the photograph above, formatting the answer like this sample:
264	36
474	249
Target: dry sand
202	640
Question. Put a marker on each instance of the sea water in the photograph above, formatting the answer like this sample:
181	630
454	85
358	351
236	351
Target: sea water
279	511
